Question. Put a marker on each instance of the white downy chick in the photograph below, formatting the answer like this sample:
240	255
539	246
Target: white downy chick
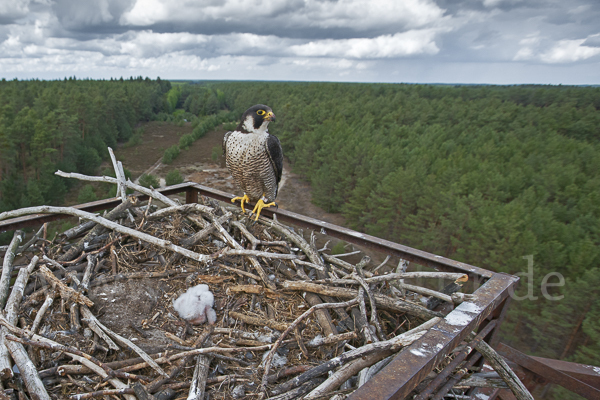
195	305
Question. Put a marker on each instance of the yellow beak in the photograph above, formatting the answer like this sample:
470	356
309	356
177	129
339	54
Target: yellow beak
270	116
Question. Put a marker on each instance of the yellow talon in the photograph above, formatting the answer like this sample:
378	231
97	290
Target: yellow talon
260	205
245	198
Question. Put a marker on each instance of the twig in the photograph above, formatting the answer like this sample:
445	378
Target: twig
253	289
108	224
258	321
118	174
256	253
507	374
423	291
363	320
347	254
253	260
29	374
12	306
87	275
382	301
387	258
33	239
65	292
406	275
77	230
299	391
7	267
40	314
72	350
149	192
80	245
325	340
239	271
182	210
307	313
125	342
16	295
374	320
346	372
394	344
94	325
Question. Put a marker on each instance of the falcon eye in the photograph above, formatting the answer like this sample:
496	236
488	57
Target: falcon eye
261	112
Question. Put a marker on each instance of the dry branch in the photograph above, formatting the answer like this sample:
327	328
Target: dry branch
7	266
346	372
108	224
126	342
29	374
384	302
198	383
40	314
65	292
258	321
392	344
294	324
507	374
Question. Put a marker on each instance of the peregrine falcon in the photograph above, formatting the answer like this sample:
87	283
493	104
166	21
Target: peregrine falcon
254	158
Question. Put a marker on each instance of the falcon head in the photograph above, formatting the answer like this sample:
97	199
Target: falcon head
256	119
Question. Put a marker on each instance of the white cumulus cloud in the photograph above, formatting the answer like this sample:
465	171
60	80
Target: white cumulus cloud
398	45
566	51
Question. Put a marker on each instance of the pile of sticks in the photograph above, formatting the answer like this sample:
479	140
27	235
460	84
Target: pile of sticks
293	321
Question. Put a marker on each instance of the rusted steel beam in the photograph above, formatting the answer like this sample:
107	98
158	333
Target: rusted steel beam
412	365
585	373
499	314
549	373
458	358
505	394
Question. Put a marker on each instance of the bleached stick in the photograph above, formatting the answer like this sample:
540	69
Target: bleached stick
257	253
125	342
7	267
87	275
29	373
11	309
65	292
109	179
108	224
92	323
40	314
291	327
5	366
457	276
502	368
120	177
393	344
346	372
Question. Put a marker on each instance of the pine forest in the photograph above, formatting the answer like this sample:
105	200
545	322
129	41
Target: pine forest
506	178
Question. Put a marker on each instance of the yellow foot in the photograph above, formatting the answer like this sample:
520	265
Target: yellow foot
243	199
259	206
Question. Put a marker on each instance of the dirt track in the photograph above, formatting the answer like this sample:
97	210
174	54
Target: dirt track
196	165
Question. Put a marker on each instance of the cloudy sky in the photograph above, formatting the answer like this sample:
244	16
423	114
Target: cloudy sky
420	41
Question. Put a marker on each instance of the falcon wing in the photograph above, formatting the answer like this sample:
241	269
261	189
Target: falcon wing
225	141
275	156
